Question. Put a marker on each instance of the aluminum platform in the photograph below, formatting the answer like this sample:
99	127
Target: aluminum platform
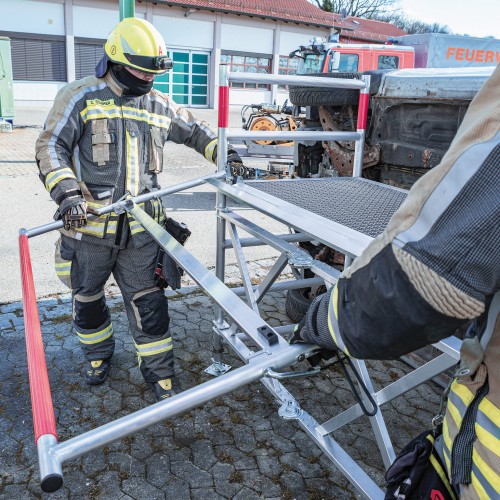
353	202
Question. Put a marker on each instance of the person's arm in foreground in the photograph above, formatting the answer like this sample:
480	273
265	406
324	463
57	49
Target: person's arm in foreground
437	263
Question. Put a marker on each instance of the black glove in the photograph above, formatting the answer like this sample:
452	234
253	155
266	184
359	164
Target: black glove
73	212
296	338
172	272
167	272
234	161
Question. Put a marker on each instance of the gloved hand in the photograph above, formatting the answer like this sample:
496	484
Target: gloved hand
295	337
167	272
172	272
234	161
233	158
73	212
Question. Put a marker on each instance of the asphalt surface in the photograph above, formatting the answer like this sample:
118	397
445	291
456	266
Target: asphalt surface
234	447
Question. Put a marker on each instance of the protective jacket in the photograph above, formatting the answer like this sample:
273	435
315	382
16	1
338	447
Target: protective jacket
435	268
106	144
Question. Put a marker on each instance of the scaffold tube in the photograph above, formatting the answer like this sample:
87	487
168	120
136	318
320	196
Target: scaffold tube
223	106
364	98
44	421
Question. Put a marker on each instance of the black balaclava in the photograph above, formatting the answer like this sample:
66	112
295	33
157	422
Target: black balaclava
133	86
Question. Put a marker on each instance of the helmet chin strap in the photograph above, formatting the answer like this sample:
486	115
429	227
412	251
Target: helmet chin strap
132	85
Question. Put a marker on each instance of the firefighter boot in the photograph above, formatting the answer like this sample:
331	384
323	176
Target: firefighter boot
97	371
163	389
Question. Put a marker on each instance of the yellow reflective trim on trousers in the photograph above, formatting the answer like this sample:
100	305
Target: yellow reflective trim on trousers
95	338
153	348
62	266
52	178
333	311
209	150
132	164
491	476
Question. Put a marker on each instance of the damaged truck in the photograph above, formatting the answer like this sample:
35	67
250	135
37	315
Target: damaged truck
413	116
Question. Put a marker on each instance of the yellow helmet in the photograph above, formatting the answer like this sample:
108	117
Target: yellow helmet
137	44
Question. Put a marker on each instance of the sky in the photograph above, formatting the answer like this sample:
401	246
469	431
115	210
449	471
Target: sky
472	17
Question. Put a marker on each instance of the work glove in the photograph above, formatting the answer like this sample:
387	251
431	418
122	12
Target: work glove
295	337
234	161
73	212
172	272
313	327
167	272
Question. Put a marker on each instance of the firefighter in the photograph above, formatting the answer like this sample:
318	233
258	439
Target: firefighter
103	139
434	269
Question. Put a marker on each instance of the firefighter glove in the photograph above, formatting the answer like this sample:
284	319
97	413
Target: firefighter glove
73	212
172	272
167	272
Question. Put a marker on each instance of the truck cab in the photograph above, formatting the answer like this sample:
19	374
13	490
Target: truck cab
330	57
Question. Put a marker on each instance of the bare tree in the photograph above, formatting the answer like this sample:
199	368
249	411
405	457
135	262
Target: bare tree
412	26
369	9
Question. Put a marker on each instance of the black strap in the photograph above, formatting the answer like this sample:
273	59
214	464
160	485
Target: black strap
344	360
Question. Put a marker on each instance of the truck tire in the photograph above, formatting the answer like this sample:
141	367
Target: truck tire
324	96
297	303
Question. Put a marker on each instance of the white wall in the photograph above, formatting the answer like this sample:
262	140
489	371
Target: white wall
89	22
96	18
240	96
27	16
246	39
35	91
291	41
185	32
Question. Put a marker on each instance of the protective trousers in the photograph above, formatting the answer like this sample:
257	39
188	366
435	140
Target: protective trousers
85	267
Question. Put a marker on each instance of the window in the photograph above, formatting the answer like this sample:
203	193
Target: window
38	59
348	63
310	64
249	63
388	62
87	55
287	66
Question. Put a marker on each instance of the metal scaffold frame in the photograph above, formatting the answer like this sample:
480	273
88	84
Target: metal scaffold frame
237	323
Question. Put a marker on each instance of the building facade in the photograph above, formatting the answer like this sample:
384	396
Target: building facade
58	41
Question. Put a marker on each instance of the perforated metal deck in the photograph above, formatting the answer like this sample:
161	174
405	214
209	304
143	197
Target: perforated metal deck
357	203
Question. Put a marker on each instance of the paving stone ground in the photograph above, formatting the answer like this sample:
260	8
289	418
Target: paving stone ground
235	446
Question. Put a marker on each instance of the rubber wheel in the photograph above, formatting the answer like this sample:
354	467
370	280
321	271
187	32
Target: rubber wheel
297	303
324	96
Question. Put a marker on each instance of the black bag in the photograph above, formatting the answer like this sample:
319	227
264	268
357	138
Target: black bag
418	473
167	272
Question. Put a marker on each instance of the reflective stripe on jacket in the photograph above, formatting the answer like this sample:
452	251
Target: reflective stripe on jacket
434	269
106	144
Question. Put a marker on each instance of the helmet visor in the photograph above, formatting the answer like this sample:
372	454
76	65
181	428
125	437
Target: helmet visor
150	64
